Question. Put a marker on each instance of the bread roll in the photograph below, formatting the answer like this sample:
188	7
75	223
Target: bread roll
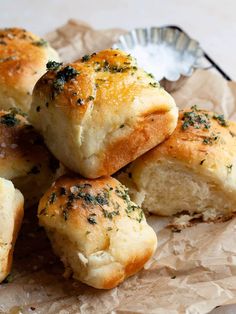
100	113
193	171
24	159
23	58
11	214
100	235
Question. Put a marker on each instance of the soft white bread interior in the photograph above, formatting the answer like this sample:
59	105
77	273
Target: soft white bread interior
24	159
11	214
100	235
194	171
23	58
101	112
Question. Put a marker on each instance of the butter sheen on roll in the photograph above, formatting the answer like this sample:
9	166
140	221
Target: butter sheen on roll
98	233
101	112
193	172
23	58
24	158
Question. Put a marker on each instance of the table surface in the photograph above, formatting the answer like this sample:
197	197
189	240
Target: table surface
211	22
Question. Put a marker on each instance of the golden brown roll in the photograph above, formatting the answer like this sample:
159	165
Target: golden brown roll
194	171
100	235
11	214
23	58
24	159
102	112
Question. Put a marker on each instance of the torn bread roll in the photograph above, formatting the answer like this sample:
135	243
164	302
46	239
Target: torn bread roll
100	113
193	171
11	214
23	58
99	234
24	158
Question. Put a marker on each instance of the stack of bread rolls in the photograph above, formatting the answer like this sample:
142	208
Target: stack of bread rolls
99	117
27	168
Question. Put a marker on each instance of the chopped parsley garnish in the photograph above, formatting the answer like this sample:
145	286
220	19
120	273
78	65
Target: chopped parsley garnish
80	101
67	73
90	98
232	133
62	191
209	140
88	198
64	76
18	111
65	214
71	199
110	215
58	84
106	67
150	75
131	207
52	198
85	58
220	119
77	192
91	220
195	107
196	119
141	215
154	84
229	168
123	193
80	192
53	65
40	43
101	200
202	161
9	119
34	170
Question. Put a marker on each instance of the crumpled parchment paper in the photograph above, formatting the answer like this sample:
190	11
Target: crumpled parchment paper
192	271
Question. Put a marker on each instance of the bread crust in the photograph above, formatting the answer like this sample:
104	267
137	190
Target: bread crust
99	111
24	158
18	217
152	129
11	213
23	58
95	219
200	158
203	149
